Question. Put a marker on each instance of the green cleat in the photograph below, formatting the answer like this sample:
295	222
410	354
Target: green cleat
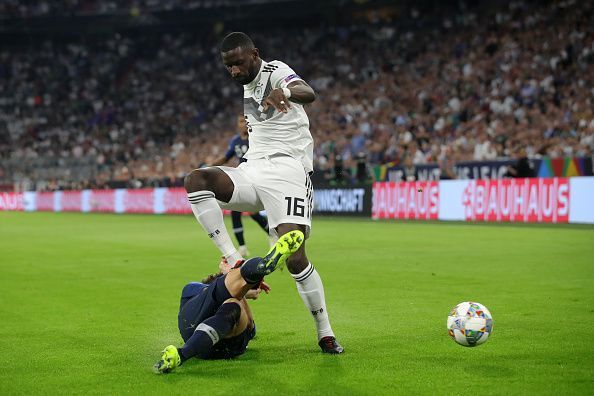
169	360
278	254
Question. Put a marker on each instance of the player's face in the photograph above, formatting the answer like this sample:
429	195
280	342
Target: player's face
242	127
241	64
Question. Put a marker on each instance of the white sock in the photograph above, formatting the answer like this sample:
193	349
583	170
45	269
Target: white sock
209	215
311	290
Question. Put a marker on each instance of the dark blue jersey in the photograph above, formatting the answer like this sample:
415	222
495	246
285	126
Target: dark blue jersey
191	290
199	302
237	148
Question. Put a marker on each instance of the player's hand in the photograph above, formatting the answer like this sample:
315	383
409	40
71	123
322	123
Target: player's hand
224	266
277	100
265	287
253	294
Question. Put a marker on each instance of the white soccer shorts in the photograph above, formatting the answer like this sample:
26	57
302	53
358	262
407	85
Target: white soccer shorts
278	184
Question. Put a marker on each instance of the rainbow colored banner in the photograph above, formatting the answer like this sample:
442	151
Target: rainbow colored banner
543	168
565	167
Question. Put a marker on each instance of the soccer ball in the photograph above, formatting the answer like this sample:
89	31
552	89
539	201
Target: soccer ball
470	324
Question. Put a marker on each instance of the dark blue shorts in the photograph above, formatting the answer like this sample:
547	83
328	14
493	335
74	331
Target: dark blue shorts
229	348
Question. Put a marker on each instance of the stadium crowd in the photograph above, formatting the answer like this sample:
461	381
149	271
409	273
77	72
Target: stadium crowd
44	8
483	84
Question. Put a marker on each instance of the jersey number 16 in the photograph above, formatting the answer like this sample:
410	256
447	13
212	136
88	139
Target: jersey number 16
296	204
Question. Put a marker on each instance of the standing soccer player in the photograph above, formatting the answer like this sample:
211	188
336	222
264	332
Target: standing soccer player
276	174
237	148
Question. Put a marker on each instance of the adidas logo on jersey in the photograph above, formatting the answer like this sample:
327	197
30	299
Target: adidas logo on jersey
269	68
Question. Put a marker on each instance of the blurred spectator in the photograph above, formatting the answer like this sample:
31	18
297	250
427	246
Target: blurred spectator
340	175
147	109
522	167
362	174
410	173
446	164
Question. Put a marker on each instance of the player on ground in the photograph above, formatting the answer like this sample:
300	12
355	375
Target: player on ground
237	148
276	174
214	319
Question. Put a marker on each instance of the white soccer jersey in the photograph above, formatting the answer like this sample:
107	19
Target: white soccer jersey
271	131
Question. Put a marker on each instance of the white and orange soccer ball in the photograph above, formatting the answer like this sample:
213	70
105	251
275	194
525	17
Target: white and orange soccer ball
470	324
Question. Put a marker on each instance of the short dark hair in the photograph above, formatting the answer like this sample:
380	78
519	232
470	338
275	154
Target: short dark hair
211	278
236	40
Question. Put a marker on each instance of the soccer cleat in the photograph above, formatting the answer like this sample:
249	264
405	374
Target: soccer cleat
256	268
282	249
169	360
330	345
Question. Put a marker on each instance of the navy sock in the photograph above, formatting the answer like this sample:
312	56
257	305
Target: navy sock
251	271
237	227
211	331
261	220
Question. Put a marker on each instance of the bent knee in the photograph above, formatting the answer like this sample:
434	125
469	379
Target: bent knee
230	310
197	180
298	261
286	227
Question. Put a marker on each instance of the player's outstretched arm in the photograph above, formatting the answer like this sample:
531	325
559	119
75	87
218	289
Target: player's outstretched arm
301	92
297	91
255	291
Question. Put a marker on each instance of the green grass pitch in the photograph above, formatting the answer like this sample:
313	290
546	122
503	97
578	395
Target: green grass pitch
88	301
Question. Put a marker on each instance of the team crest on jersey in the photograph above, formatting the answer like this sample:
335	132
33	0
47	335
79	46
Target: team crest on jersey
253	106
258	92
